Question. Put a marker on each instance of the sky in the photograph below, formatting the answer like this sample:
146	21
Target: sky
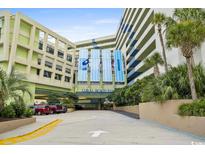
77	24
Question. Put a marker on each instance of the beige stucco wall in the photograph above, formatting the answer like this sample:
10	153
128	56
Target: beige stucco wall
13	124
166	113
131	109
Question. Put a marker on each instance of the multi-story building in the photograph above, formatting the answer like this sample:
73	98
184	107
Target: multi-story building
138	39
99	69
46	58
91	68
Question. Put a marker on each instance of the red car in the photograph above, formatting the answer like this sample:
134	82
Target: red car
57	108
42	109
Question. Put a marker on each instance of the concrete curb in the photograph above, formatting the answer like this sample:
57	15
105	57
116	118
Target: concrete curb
31	135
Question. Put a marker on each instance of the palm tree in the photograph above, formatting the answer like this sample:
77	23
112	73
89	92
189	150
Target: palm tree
158	20
186	35
12	87
186	14
155	60
194	14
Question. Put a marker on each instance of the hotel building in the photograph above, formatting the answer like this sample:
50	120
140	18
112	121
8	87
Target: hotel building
138	39
43	56
91	68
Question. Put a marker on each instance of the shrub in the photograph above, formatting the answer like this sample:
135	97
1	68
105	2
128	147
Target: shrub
197	108
19	108
8	112
28	113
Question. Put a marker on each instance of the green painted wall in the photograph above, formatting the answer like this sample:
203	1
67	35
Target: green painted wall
21	52
20	68
51	88
1	50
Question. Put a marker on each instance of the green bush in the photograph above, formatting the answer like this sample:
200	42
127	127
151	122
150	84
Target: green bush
28	113
8	112
19	108
197	108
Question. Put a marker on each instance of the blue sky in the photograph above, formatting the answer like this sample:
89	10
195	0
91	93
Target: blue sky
77	24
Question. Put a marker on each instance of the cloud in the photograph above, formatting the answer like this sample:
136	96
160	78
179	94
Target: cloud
107	21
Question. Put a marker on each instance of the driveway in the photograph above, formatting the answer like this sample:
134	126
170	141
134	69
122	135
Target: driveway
106	127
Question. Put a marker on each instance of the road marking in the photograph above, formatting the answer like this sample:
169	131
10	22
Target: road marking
97	133
31	135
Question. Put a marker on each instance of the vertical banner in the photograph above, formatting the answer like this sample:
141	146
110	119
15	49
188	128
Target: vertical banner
83	63
107	67
118	66
95	65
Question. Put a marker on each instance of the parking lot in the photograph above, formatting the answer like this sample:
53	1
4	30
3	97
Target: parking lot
104	127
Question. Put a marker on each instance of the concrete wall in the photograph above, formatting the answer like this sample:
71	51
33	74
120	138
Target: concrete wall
130	109
13	124
166	113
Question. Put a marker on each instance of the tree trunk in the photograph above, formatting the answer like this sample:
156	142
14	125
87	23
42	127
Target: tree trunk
1	104
163	48
191	78
156	71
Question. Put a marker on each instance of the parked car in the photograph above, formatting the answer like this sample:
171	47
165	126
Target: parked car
42	109
58	108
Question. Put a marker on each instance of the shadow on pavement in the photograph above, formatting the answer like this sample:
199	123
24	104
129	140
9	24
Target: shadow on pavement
132	115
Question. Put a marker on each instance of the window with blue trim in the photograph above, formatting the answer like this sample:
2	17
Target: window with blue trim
130	28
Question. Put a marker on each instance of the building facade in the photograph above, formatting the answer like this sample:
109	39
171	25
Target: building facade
43	56
138	39
91	68
99	69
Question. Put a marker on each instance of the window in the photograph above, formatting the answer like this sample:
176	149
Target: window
133	43
1	25
41	35
38	72
51	39
50	49
62	45
67	70
69	58
47	74
59	68
39	61
48	64
40	45
58	76
67	79
60	54
130	28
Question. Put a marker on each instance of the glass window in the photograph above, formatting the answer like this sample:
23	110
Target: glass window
48	64
118	66
47	74
1	26
60	54
38	72
95	65
61	44
83	65
67	70
67	79
51	39
58	76
40	45
50	49
59	67
107	67
69	58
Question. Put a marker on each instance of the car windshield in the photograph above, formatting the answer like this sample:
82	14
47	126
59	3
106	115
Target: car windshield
40	106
